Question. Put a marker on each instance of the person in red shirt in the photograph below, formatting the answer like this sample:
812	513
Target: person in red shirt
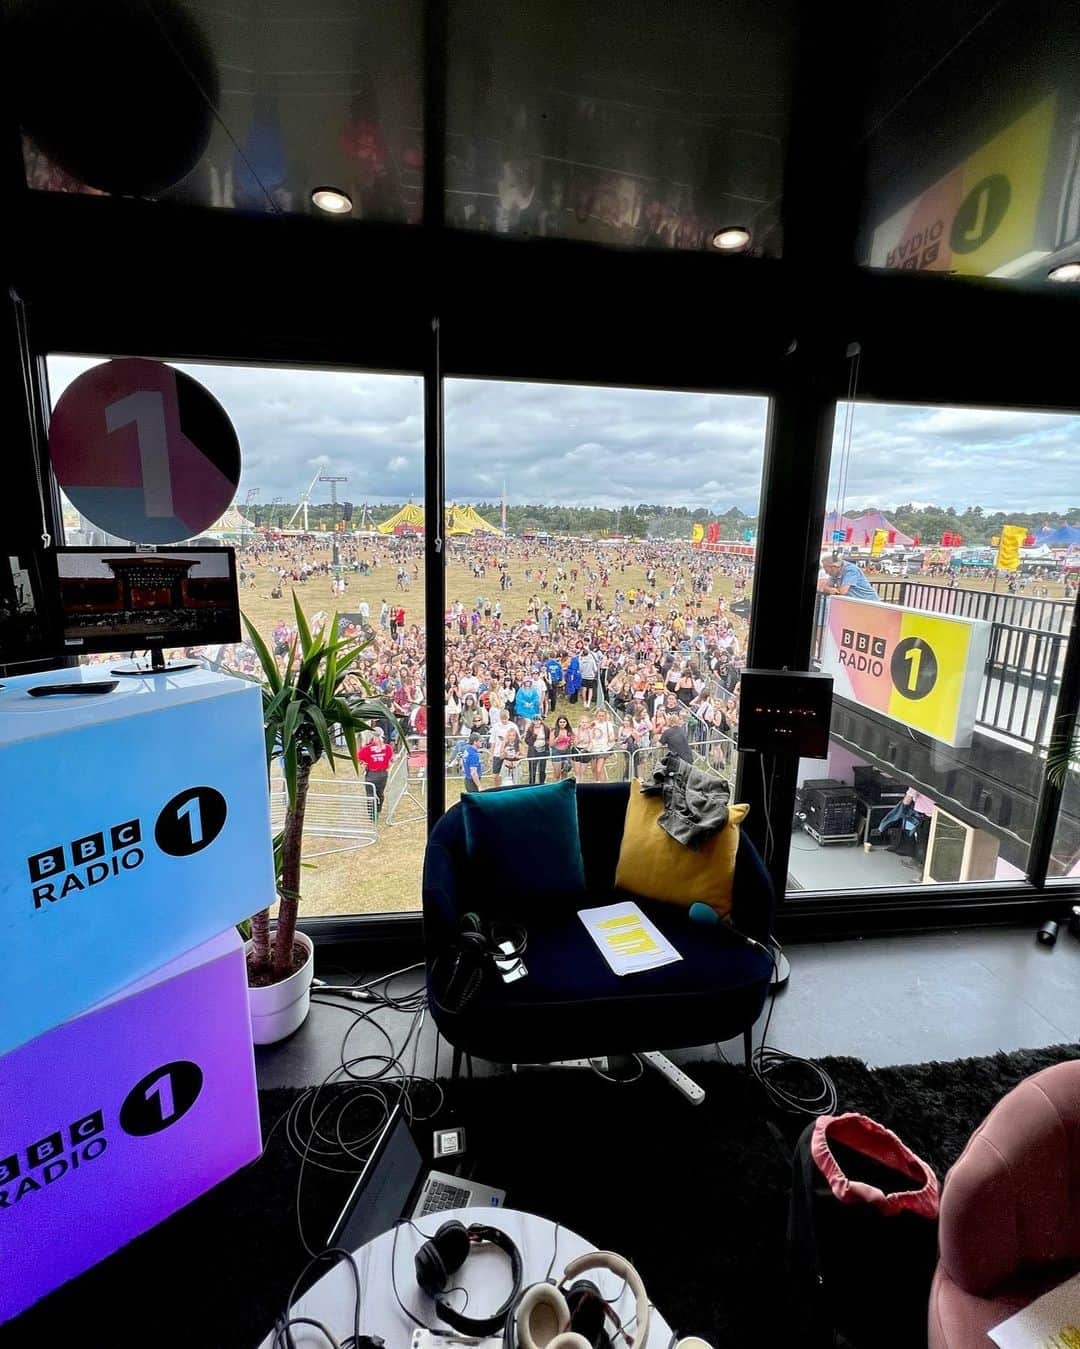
376	756
400	624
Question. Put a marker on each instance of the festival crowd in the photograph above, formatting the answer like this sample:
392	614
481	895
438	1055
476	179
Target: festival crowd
596	670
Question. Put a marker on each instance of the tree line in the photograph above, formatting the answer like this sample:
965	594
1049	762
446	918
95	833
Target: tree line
653	520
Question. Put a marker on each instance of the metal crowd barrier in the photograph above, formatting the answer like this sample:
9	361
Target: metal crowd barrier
343	809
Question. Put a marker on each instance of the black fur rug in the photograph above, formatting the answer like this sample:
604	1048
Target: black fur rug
695	1196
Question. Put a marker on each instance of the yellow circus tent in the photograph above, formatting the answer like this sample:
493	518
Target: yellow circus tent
466	520
460	521
409	517
232	522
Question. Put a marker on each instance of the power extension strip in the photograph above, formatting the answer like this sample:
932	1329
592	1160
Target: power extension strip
678	1079
558	1063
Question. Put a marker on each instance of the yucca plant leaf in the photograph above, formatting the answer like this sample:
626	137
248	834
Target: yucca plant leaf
315	716
266	660
1063	753
287	676
349	732
301	624
288	764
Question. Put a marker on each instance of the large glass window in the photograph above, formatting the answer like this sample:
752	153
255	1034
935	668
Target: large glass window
950	558
328	456
1065	852
599	577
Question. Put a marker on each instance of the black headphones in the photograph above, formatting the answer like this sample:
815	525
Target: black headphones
444	1254
459	971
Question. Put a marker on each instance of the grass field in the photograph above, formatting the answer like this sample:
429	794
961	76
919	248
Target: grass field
385	876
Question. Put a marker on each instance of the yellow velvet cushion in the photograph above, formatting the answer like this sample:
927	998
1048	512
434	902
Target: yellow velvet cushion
652	864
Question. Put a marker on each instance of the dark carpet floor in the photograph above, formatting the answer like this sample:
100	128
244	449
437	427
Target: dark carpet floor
696	1197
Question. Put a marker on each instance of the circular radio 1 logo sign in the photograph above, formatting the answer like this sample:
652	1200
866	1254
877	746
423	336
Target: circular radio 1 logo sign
913	668
144	451
190	821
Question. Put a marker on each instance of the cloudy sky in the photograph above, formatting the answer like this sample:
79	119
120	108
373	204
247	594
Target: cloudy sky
573	445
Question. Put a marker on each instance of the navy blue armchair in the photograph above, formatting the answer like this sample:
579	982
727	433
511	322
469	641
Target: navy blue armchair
572	1005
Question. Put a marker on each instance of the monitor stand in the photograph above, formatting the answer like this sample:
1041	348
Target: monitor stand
158	665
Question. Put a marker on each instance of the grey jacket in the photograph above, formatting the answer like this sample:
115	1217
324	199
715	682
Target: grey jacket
695	802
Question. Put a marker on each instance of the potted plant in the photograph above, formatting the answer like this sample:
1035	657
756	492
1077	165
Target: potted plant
304	708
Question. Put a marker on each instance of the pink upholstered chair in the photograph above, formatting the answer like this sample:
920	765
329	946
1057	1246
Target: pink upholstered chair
1010	1211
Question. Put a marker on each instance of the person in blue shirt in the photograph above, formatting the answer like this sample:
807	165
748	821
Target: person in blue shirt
573	679
527	703
845	578
470	762
554	678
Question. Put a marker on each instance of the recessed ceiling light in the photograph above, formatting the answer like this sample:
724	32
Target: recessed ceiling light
731	239
332	200
1067	271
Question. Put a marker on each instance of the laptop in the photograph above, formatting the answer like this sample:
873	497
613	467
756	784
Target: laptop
395	1184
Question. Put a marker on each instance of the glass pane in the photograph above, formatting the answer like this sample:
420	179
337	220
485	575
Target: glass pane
972	164
308	98
950	559
1065	851
599	579
309	438
618	122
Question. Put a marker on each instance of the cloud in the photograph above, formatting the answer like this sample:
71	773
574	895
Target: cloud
564	444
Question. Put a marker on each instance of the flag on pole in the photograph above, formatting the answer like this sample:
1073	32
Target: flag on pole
1012	538
878	545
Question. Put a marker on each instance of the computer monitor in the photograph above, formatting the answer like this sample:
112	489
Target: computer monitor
27	622
135	599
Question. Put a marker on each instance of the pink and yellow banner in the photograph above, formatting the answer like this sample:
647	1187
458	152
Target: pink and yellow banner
984	216
921	669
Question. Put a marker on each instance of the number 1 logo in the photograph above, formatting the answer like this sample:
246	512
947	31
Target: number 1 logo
146	408
161	1098
190	821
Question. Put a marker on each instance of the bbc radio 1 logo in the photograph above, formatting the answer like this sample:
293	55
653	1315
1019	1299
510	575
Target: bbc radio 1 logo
913	666
862	651
186	825
155	1103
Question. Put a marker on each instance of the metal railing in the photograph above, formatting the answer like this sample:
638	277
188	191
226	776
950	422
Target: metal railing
713	754
1022	611
1021	684
342	810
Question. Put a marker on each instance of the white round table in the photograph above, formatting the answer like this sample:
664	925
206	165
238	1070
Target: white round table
485	1276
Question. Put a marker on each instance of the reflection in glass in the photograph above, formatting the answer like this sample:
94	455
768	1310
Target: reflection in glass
973	167
617	123
309	97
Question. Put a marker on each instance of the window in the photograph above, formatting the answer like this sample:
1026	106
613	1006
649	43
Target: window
949	580
599	576
328	456
1065	853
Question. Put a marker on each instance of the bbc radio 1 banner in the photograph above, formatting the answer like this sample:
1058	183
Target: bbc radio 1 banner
921	669
115	1119
136	825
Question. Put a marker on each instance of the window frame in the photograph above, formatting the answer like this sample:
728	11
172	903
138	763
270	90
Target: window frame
697	321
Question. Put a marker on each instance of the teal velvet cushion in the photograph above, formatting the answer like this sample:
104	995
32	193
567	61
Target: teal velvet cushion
524	848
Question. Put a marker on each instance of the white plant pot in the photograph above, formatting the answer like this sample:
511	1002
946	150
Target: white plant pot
279	1009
